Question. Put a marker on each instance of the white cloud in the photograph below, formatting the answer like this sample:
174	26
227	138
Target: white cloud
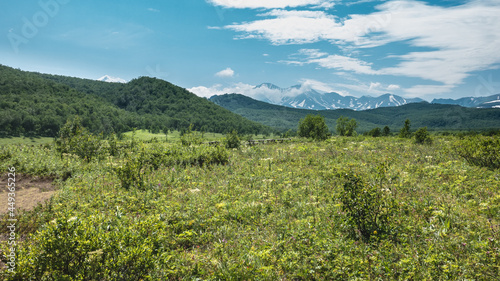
271	4
153	10
374	86
342	63
226	73
393	87
289	27
218	89
454	41
316	85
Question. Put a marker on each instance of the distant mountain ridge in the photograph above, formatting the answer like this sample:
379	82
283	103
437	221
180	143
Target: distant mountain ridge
479	102
308	98
423	114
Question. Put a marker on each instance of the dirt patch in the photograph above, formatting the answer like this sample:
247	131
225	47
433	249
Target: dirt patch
29	192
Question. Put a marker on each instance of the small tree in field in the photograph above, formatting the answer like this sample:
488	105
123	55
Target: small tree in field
346	127
232	140
313	127
422	136
376	132
386	131
405	131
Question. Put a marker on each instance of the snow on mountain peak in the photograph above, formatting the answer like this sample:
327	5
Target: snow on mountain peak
107	78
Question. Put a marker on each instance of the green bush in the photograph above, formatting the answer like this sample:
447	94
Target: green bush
386	131
422	136
232	140
191	137
346	127
313	127
130	172
376	132
480	151
92	248
75	139
405	132
369	209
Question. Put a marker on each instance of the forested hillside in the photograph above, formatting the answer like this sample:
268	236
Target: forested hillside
433	116
34	104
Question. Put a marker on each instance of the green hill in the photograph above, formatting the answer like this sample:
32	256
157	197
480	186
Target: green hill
34	104
433	116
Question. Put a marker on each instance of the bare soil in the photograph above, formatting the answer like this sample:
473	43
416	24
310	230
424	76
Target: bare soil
29	192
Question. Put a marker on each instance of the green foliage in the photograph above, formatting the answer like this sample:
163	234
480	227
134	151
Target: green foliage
266	215
386	131
480	151
74	139
433	116
376	132
34	104
313	127
422	136
369	208
346	127
405	132
131	172
232	140
191	137
89	248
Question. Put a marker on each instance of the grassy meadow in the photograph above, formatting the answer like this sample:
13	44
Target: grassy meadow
349	208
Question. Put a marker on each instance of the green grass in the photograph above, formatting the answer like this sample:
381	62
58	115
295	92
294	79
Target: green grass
175	136
274	212
24	140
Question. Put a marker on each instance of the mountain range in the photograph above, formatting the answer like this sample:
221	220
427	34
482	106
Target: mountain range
423	114
306	97
309	98
478	102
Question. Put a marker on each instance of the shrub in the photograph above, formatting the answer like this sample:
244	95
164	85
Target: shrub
191	137
369	209
386	131
376	132
346	127
130	172
75	139
313	127
405	132
480	151
422	136
232	140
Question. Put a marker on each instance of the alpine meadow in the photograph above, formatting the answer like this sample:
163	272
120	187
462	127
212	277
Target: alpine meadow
148	140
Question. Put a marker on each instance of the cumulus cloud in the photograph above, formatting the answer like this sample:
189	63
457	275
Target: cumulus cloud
226	73
270	4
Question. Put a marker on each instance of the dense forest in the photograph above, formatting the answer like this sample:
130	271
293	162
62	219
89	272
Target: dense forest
34	104
433	116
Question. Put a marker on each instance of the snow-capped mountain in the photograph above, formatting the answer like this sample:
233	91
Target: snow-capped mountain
479	102
107	78
298	97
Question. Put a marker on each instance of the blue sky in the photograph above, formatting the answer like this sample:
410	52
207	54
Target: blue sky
427	49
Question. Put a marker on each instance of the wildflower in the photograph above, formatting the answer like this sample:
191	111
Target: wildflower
375	232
